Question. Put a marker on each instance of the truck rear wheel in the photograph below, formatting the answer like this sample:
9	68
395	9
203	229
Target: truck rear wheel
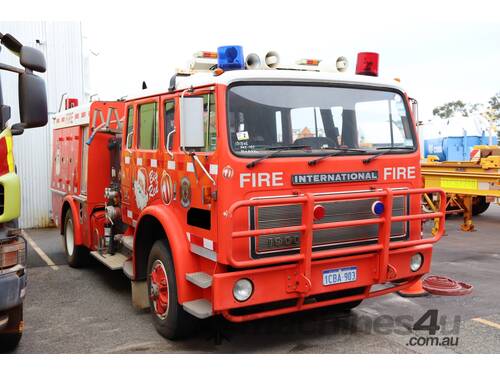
76	256
169	317
10	337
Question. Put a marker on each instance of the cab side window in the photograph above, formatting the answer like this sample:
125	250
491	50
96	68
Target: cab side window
169	122
147	136
130	126
210	127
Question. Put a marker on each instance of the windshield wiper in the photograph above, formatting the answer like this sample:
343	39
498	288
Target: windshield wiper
341	151
387	150
276	150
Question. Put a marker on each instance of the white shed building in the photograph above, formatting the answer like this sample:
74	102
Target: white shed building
67	72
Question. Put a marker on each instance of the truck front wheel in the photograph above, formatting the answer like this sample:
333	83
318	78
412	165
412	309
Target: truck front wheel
10	337
169	317
76	256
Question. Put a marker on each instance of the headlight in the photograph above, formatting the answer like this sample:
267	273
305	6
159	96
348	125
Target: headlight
242	290
416	262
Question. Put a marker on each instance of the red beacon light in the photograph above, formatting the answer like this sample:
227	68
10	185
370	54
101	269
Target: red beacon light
367	64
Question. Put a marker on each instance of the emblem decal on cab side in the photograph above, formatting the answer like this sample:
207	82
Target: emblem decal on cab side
140	189
185	192
166	187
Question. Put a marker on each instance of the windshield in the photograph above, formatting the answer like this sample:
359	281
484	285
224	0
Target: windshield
264	117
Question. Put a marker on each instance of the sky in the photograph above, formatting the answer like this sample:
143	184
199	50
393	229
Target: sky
440	50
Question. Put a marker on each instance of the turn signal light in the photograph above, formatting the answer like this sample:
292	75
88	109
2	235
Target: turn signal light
12	254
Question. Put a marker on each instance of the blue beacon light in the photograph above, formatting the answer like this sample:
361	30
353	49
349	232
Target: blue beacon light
378	208
230	58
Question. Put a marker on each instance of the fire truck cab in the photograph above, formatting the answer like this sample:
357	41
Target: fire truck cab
247	193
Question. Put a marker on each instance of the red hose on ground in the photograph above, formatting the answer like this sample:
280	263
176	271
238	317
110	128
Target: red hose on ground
445	286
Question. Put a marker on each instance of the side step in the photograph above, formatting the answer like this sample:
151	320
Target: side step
201	279
113	262
200	308
128	242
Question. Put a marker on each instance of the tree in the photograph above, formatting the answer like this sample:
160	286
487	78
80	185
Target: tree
493	111
450	109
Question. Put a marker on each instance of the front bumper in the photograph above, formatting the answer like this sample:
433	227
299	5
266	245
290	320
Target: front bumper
12	288
282	283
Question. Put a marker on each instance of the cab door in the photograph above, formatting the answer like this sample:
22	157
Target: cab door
128	154
140	160
194	182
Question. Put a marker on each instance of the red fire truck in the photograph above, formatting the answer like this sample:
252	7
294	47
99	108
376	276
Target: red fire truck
247	189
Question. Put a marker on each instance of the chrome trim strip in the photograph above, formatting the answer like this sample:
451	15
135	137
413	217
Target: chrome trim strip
80	198
58	192
325	193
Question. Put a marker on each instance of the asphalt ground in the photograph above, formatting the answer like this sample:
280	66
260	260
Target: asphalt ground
89	311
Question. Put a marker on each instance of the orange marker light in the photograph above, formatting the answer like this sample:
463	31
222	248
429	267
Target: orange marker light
218	72
314	62
206	54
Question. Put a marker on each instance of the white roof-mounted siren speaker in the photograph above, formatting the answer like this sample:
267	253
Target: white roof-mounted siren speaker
253	61
272	59
342	64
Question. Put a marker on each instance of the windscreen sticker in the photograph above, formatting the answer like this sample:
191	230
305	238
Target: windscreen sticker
242	136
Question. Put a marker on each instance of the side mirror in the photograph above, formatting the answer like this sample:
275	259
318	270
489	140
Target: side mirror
414	109
33	59
32	101
192	124
17	129
12	43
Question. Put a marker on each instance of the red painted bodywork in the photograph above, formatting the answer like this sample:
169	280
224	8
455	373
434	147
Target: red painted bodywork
276	278
86	204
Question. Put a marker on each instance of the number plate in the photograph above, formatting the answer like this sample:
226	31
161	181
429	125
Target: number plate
340	275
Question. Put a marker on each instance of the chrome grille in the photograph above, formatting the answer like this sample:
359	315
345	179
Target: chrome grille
266	217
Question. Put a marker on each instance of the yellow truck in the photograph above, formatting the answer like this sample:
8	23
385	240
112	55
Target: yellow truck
470	186
33	113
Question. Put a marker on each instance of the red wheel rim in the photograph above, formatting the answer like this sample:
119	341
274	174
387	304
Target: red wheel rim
159	289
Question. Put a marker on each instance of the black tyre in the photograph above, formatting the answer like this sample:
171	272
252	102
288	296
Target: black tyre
479	205
11	335
169	317
76	256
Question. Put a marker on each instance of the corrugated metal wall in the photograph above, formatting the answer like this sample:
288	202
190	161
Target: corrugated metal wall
61	42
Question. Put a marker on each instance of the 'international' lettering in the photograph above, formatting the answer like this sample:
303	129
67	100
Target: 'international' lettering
328	178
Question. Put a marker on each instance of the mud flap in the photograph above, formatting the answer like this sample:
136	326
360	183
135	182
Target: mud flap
140	298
